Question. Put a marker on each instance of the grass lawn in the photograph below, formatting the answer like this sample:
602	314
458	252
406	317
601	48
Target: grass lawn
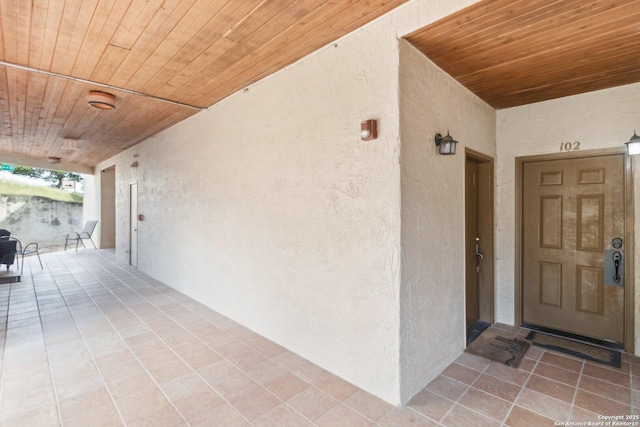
15	188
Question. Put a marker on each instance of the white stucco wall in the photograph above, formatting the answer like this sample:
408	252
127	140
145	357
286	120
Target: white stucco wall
599	119
432	294
270	209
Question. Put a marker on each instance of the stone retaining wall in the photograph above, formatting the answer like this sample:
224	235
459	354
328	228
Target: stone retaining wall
39	219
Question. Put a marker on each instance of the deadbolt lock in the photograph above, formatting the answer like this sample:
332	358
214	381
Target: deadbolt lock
616	243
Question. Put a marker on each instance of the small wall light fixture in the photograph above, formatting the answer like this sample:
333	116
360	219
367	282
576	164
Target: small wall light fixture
53	160
368	130
633	146
101	100
446	145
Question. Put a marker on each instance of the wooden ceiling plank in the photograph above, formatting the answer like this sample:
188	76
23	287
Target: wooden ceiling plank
158	29
35	91
570	58
190	72
537	38
204	42
47	108
16	90
76	18
103	25
258	17
85	122
70	94
24	31
36	39
551	80
109	62
570	85
383	7
550	48
296	33
127	34
485	15
238	12
5	111
17	108
203	68
236	77
158	116
130	109
509	100
229	45
49	41
135	22
296	17
112	137
54	100
2	31
8	26
193	24
570	15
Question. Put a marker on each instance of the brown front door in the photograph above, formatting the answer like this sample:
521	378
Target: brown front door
572	211
472	270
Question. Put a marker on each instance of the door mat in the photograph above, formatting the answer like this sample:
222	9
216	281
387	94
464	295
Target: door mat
574	348
476	329
494	345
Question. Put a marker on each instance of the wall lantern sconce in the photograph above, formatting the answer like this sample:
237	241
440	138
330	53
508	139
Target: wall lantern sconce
633	146
101	100
368	130
446	145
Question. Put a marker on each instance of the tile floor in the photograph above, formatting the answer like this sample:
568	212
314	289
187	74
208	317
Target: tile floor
88	342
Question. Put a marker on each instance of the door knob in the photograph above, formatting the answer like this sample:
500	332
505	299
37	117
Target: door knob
617	257
478	255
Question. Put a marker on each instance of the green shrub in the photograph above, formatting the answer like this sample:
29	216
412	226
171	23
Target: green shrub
15	188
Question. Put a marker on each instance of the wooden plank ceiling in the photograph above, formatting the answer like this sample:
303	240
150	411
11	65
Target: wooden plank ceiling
194	52
515	52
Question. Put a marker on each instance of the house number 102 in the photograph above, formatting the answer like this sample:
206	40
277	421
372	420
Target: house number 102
569	146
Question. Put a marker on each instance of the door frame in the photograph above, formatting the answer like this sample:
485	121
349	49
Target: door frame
108	207
628	231
486	228
133	222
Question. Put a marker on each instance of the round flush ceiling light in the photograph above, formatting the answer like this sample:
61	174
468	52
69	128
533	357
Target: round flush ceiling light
101	100
53	159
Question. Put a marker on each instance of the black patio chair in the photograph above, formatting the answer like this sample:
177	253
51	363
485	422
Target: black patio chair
8	250
11	248
86	233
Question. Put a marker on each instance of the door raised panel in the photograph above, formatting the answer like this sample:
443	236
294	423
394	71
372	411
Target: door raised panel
550	284
551	178
551	222
590	222
593	176
590	289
